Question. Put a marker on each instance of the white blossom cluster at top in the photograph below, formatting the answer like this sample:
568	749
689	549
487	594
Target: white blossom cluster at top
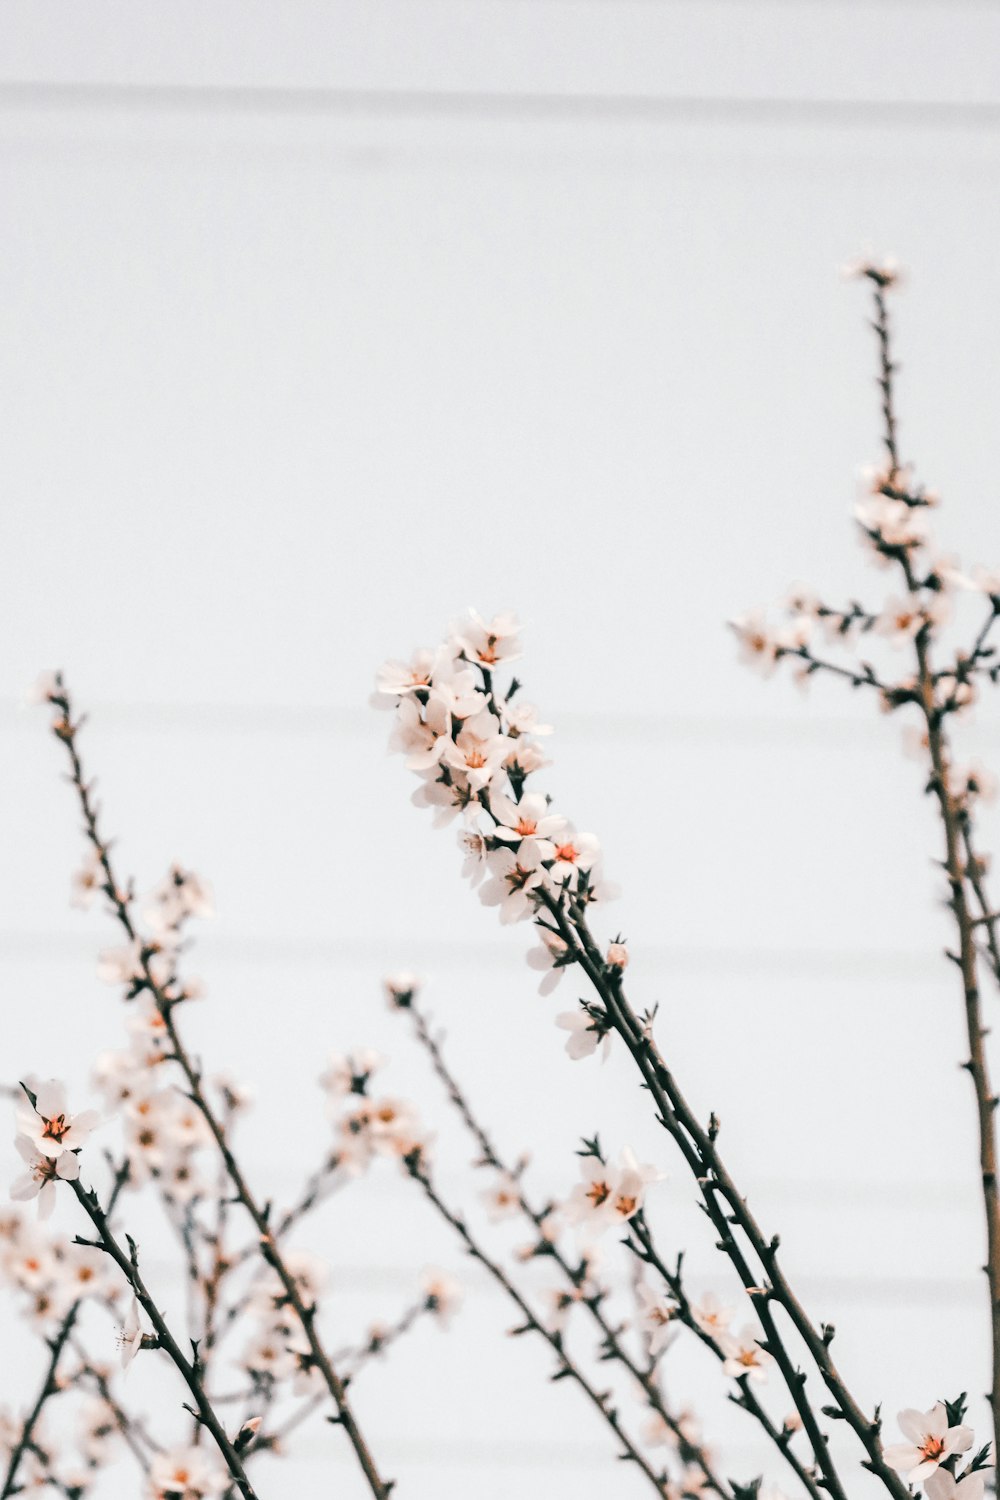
474	745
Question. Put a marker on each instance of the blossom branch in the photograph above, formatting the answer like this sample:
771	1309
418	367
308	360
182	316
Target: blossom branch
354	1361
474	752
166	1002
957	838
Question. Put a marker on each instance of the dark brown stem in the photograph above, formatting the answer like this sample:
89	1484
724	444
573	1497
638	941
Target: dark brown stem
960	866
727	1208
129	1266
640	1241
976	1066
354	1360
988	917
50	1384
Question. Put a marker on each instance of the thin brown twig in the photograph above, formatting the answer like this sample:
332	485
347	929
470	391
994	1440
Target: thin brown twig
641	1242
612	1346
567	1367
49	1387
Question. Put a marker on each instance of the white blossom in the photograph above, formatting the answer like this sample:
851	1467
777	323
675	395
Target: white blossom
931	1441
396	679
489	643
744	1356
443	1293
48	1123
711	1316
609	1195
120	965
573	852
345	1071
942	1485
657	1318
130	1335
513	880
586	1033
186	1473
528	819
86	881
46	686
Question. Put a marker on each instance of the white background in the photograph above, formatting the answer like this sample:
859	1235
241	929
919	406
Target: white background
321	322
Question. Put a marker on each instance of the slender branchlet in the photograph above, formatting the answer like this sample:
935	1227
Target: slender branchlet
965	881
50	1387
575	1275
52	1381
567	1368
127	1262
640	1241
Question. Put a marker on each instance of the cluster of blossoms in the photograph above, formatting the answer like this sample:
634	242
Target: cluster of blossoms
53	1463
608	1196
50	1278
278	1349
474	747
179	897
474	750
163	1131
892	517
50	1273
367	1127
742	1354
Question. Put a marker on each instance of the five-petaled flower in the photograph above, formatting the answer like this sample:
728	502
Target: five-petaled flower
39	1181
48	1124
931	1441
744	1356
